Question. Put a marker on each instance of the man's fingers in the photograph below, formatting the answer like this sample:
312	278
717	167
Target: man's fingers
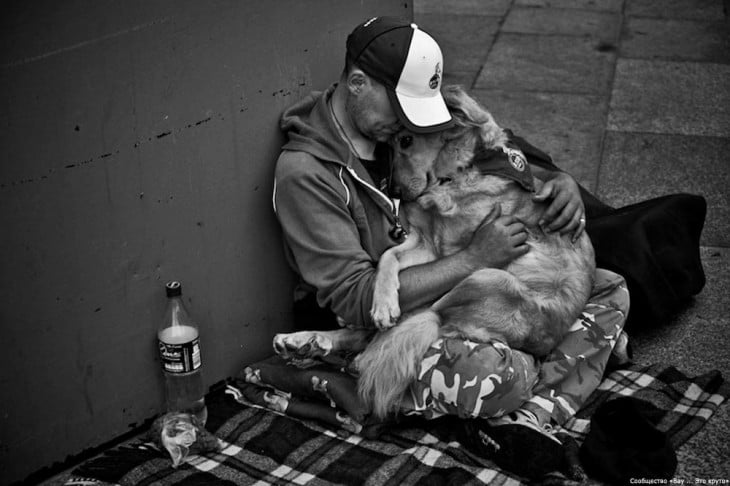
514	226
567	214
545	192
565	207
521	250
573	222
519	238
581	227
554	209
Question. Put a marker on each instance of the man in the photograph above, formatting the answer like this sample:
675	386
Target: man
337	218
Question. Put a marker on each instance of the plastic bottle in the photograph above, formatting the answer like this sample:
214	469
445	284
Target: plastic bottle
179	343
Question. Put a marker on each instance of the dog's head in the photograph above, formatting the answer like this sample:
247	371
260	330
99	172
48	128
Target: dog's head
420	161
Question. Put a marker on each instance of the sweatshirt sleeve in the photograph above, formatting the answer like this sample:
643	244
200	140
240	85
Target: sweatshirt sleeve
311	204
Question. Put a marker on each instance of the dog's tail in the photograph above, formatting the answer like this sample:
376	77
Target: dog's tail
390	362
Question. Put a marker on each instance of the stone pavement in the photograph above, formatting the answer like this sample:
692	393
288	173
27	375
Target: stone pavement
633	98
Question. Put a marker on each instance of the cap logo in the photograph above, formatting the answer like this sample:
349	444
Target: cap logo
516	159
433	83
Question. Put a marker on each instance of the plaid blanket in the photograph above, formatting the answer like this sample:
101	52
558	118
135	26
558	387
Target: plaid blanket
265	447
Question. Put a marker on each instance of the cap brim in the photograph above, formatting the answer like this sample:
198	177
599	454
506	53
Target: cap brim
421	115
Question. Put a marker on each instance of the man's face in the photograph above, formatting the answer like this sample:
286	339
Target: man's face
371	112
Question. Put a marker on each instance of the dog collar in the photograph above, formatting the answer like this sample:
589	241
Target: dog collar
508	162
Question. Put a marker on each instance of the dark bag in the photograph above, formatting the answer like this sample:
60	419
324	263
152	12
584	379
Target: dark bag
623	443
654	245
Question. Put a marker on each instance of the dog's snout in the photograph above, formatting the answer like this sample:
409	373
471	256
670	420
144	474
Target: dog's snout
412	190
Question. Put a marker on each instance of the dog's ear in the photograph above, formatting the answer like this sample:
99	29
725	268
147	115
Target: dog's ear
465	109
457	102
468	114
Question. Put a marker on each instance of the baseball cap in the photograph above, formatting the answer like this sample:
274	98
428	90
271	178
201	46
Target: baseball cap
408	62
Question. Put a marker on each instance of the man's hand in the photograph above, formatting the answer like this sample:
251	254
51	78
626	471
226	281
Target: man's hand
566	212
498	240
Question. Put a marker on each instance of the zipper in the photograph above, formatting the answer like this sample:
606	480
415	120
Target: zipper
397	232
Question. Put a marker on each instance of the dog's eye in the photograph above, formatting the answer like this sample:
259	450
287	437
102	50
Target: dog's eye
405	141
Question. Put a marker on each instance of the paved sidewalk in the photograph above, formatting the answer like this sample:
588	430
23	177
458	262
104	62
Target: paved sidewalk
633	98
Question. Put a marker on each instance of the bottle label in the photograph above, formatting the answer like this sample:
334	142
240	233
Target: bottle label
180	358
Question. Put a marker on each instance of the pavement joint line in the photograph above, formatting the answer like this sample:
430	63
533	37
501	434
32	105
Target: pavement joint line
609	100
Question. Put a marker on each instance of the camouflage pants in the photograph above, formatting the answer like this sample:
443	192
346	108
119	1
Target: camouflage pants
467	379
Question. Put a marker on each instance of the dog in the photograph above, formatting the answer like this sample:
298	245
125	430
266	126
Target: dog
449	185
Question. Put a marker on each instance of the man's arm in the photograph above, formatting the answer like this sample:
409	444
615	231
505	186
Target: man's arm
322	237
497	241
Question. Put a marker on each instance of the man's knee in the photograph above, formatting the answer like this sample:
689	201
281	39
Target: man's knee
610	290
477	380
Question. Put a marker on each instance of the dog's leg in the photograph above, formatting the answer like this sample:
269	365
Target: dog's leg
489	304
390	362
385	310
316	344
493	303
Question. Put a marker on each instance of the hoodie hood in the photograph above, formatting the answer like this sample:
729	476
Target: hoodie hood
310	128
336	223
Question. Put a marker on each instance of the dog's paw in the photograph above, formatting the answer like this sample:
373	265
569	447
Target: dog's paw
302	346
385	311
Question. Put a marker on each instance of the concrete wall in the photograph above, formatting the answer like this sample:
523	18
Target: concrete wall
138	140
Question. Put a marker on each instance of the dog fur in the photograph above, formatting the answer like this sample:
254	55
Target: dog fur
530	304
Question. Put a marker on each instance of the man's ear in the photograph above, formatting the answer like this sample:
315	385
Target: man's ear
357	80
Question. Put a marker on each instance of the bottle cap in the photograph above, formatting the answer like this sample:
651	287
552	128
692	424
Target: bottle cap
173	289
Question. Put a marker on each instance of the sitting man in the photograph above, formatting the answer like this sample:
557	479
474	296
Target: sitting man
331	199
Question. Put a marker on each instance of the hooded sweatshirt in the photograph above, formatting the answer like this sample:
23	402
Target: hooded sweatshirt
335	221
